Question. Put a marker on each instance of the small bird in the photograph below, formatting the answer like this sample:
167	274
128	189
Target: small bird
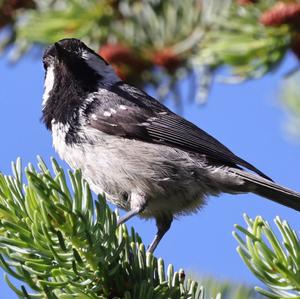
145	158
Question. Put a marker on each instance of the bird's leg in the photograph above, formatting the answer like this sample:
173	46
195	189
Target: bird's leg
138	204
163	224
129	215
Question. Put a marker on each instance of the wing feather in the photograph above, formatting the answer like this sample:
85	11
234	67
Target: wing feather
139	116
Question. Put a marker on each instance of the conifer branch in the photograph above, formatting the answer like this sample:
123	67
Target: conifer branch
63	244
272	260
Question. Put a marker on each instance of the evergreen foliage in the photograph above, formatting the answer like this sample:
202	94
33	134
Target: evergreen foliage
192	38
61	243
276	262
64	244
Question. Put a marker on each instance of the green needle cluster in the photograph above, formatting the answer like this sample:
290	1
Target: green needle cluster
275	262
64	244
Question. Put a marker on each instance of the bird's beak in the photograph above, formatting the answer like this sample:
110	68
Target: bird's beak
61	53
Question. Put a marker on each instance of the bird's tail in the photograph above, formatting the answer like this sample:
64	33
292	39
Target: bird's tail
270	190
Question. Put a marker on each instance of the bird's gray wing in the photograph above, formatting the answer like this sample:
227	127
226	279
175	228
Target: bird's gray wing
128	112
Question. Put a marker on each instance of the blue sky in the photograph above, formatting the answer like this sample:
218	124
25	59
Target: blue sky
247	118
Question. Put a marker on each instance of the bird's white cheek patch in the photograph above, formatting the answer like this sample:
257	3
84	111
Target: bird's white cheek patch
49	82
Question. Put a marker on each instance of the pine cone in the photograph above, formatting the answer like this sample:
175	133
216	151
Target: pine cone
116	53
282	13
167	59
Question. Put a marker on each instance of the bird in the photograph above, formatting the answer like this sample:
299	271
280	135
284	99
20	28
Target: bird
143	157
